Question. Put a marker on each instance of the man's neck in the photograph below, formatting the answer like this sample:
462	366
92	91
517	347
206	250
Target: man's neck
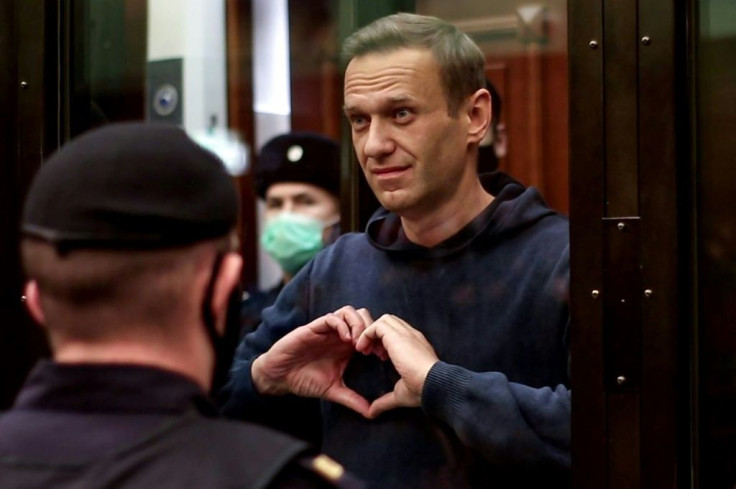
187	363
444	222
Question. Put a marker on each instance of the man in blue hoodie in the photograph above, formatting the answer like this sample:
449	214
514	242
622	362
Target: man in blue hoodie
436	341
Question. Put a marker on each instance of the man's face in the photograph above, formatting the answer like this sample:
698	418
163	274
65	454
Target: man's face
301	198
413	154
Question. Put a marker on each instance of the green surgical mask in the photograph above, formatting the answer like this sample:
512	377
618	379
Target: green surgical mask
292	240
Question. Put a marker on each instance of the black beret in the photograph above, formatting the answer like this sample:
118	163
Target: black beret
131	185
299	157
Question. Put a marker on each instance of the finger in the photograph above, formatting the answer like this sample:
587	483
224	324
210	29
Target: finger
376	348
320	325
371	340
365	321
354	320
371	347
349	398
342	327
366	315
394	330
330	323
357	320
384	403
365	342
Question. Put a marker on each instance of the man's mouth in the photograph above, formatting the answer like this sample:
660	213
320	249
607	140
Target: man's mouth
389	172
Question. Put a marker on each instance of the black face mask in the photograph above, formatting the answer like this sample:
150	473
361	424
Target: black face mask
487	159
223	345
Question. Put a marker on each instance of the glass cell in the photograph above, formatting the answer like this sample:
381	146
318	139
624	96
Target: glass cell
525	45
715	72
157	60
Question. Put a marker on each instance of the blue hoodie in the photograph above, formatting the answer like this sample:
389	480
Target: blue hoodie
493	302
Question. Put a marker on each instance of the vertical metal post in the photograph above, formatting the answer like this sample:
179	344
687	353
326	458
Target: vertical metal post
625	119
585	47
29	85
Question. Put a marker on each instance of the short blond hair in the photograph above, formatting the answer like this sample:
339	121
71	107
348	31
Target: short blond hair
461	62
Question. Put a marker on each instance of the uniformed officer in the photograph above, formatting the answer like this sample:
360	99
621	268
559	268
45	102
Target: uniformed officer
132	269
298	176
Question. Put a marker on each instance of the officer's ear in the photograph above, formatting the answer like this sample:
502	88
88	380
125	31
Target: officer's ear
228	277
33	302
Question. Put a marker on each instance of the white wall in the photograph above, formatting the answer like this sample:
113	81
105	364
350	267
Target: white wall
193	30
271	97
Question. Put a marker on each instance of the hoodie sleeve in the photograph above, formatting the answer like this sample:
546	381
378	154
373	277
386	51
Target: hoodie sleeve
508	423
239	398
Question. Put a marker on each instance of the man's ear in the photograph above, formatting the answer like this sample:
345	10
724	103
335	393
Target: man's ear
228	277
479	115
33	302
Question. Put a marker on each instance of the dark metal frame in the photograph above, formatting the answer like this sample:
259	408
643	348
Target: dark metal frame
11	332
629	161
29	98
689	439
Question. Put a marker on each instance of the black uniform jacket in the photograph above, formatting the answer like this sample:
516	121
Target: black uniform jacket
121	426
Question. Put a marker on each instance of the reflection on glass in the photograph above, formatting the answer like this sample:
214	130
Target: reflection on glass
108	51
159	60
716	122
525	44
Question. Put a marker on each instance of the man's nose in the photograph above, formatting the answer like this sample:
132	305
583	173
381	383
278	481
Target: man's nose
378	140
288	206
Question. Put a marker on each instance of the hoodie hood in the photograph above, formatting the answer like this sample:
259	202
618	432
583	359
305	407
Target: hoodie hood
513	209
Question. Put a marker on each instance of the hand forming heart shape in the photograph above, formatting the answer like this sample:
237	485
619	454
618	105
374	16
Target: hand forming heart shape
311	360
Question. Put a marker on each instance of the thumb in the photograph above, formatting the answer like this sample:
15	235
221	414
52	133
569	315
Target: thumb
384	403
349	398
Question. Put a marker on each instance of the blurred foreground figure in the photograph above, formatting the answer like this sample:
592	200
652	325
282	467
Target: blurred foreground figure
436	341
133	270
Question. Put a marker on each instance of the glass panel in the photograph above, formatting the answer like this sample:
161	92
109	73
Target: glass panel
166	61
526	51
107	63
178	75
138	59
316	81
716	123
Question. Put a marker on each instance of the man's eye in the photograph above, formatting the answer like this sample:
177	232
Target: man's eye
402	114
305	201
358	122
